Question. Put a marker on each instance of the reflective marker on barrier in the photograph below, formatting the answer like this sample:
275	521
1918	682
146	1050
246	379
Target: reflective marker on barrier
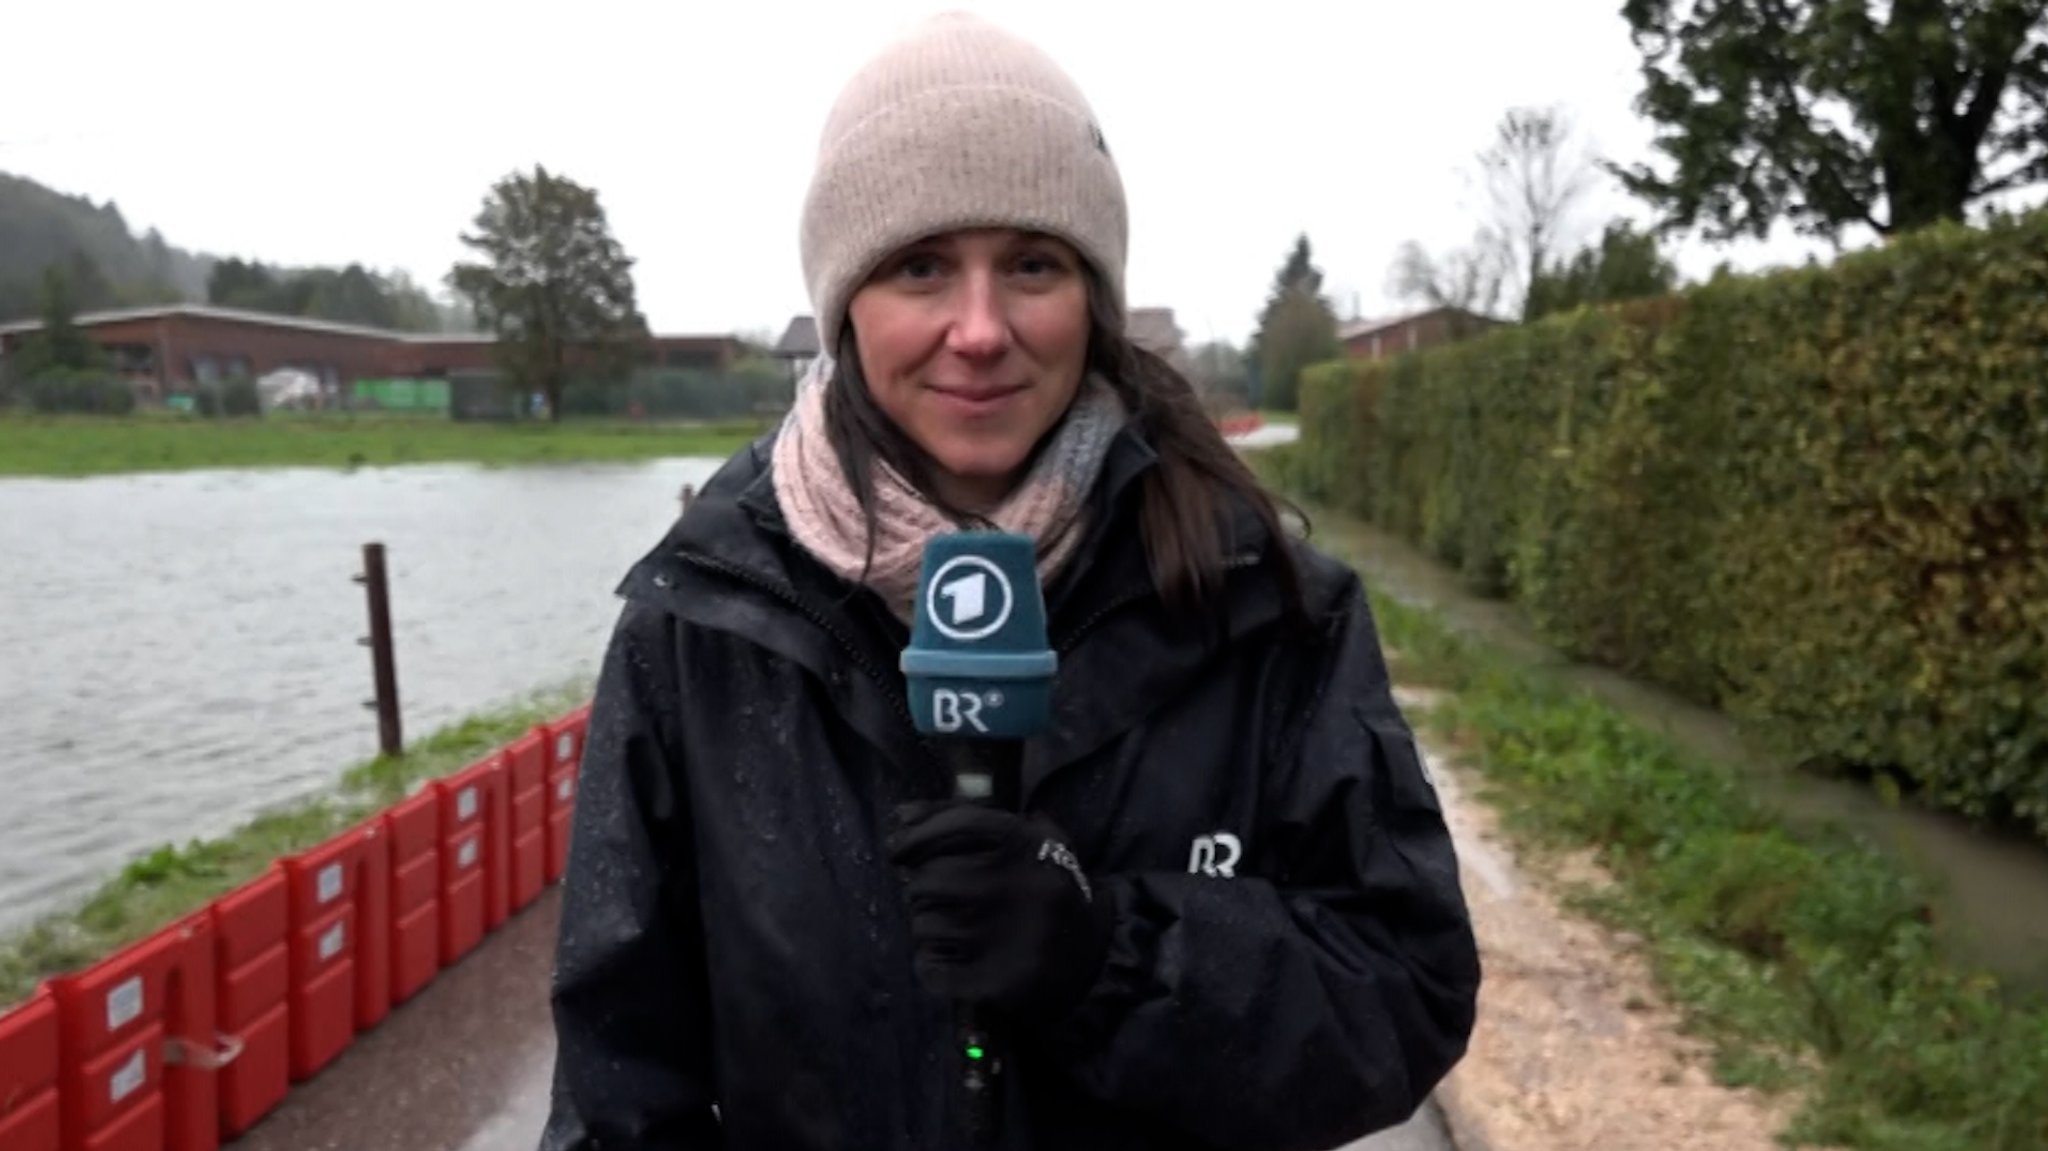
125	1003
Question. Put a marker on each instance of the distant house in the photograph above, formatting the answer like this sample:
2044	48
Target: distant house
1384	338
174	349
1156	331
798	346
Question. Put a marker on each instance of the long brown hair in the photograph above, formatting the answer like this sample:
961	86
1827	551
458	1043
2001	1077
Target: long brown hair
1186	498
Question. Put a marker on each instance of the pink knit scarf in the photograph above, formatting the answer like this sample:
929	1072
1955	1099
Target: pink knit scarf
817	500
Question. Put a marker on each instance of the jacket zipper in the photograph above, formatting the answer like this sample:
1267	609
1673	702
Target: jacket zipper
790	598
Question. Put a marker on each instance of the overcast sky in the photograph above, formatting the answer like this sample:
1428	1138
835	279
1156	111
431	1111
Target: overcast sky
370	132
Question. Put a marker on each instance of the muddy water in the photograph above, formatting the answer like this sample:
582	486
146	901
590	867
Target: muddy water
1994	902
179	651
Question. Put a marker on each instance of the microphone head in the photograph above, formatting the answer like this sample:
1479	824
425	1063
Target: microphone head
978	663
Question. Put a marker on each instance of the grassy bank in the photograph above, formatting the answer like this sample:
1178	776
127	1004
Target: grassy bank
174	881
1804	956
82	446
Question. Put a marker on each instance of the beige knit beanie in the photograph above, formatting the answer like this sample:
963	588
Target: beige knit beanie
957	125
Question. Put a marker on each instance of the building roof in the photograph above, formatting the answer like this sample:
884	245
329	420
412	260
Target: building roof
1357	328
799	340
294	323
1155	330
209	312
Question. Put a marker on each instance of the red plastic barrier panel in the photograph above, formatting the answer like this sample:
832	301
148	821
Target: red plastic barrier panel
565	739
472	868
373	920
140	1053
527	772
561	794
28	1075
339	923
253	972
565	742
413	828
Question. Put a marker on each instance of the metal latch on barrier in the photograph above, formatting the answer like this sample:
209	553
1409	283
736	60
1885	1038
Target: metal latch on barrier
200	1055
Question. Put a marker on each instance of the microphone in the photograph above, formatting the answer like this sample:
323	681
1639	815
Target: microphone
980	673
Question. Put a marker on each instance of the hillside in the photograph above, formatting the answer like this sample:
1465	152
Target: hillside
107	265
39	227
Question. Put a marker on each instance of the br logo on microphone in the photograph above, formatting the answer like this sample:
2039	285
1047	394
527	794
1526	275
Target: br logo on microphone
978	663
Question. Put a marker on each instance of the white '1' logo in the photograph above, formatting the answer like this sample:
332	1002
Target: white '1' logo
1215	855
968	596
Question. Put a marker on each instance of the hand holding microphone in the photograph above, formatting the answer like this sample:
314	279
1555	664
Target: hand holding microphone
1000	910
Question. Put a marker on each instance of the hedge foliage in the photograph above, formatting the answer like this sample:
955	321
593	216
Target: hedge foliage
1817	498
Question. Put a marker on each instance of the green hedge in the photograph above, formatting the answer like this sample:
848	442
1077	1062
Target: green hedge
1817	498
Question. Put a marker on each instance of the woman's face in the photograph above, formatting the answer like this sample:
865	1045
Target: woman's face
974	343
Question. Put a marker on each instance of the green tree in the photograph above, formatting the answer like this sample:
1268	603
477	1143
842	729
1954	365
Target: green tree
242	284
1625	265
553	284
60	343
59	367
1830	114
1297	327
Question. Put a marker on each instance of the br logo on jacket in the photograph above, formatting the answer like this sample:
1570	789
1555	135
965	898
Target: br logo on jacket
1215	855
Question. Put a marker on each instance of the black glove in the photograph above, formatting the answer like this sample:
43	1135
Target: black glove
1000	910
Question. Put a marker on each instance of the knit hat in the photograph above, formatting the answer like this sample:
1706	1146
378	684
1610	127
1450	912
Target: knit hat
957	125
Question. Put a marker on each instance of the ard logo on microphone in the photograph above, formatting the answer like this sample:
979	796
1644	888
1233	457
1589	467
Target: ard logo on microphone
978	661
972	599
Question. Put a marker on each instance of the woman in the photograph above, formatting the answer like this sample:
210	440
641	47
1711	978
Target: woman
1226	912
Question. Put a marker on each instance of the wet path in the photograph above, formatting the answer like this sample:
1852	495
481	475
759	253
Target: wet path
462	1067
465	1066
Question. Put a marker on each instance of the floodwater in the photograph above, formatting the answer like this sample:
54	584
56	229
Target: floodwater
1992	906
179	651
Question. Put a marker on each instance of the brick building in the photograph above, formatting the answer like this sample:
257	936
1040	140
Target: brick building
1384	338
176	349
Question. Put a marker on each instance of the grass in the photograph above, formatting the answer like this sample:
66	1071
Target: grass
1804	956
88	445
172	882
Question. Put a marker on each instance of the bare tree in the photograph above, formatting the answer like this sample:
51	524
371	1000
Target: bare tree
1469	278
1534	173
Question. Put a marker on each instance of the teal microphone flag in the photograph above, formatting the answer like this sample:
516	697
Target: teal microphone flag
979	665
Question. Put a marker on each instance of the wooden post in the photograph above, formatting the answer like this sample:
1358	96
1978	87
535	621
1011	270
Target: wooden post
383	663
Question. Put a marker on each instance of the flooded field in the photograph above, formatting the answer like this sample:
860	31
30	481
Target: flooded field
179	651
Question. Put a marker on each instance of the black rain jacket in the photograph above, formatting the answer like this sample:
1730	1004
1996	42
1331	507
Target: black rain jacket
1292	965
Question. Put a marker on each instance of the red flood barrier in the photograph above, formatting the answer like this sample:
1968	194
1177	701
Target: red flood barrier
565	739
413	829
340	944
252	965
140	1052
28	1075
526	766
472	862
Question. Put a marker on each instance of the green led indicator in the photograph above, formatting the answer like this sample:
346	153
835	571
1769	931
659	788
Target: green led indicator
974	1052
